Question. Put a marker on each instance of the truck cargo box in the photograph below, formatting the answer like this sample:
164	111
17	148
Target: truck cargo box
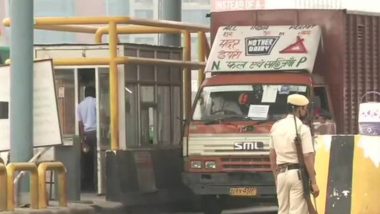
348	60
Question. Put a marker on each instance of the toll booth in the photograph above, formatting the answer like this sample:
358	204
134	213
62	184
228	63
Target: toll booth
150	108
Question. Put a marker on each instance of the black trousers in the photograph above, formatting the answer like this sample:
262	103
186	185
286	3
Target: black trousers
89	163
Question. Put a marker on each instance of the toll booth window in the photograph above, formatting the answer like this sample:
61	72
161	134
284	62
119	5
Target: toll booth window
153	101
4	110
176	113
163	107
157	121
65	89
132	115
148	116
148	128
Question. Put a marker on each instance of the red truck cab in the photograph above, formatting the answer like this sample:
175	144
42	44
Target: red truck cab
252	71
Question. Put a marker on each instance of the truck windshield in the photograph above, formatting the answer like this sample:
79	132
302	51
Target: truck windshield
245	102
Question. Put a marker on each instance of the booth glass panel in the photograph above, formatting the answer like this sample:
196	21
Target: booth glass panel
65	90
131	114
163	108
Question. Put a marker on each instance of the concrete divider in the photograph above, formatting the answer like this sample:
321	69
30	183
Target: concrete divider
143	177
348	173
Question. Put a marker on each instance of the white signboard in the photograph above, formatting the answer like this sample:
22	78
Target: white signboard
4	98
264	48
46	130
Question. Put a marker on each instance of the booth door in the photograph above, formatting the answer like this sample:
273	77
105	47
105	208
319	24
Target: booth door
103	116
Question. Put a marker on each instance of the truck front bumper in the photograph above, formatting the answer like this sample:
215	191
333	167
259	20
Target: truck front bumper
221	183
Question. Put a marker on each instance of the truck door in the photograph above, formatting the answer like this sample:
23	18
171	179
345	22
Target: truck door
323	122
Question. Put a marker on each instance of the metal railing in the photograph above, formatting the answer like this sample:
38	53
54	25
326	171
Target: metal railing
38	196
12	168
62	183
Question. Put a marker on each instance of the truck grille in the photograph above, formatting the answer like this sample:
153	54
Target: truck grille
248	164
223	144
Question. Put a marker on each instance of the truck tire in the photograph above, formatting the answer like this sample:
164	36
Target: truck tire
211	204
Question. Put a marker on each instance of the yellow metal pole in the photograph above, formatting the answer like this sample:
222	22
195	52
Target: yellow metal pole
39	21
11	169
68	28
114	95
145	61
169	24
62	183
82	61
131	60
134	29
187	75
99	34
201	57
3	190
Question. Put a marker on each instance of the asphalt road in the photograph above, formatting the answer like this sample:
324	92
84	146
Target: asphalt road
168	210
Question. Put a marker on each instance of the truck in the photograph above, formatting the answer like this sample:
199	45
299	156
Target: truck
257	59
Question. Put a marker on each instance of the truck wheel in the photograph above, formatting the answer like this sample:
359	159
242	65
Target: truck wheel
211	205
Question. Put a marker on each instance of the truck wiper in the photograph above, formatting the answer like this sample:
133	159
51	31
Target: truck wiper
237	116
223	118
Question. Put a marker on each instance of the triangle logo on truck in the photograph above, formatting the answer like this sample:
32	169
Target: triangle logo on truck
297	47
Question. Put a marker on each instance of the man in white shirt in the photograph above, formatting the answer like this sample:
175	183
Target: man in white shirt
87	131
226	107
284	159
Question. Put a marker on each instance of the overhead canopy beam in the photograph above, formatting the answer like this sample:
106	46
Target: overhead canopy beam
44	21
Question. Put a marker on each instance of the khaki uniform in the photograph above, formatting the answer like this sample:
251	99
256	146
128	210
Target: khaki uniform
289	185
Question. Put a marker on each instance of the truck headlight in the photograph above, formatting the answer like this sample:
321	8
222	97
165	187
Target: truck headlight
210	165
196	164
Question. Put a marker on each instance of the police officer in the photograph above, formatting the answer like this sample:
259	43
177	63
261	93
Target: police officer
284	160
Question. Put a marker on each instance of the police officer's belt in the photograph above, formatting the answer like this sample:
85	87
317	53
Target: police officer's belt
287	166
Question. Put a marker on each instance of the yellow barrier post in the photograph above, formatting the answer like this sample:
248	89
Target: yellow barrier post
11	169
3	191
62	183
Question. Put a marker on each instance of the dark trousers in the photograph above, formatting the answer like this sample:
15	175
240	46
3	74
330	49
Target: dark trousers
88	164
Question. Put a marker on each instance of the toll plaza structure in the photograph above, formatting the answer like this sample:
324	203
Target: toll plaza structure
142	90
143	97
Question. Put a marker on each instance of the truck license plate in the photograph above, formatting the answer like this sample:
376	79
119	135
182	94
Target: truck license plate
243	191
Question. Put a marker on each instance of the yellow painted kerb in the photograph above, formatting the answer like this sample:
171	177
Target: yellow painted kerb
365	176
322	161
